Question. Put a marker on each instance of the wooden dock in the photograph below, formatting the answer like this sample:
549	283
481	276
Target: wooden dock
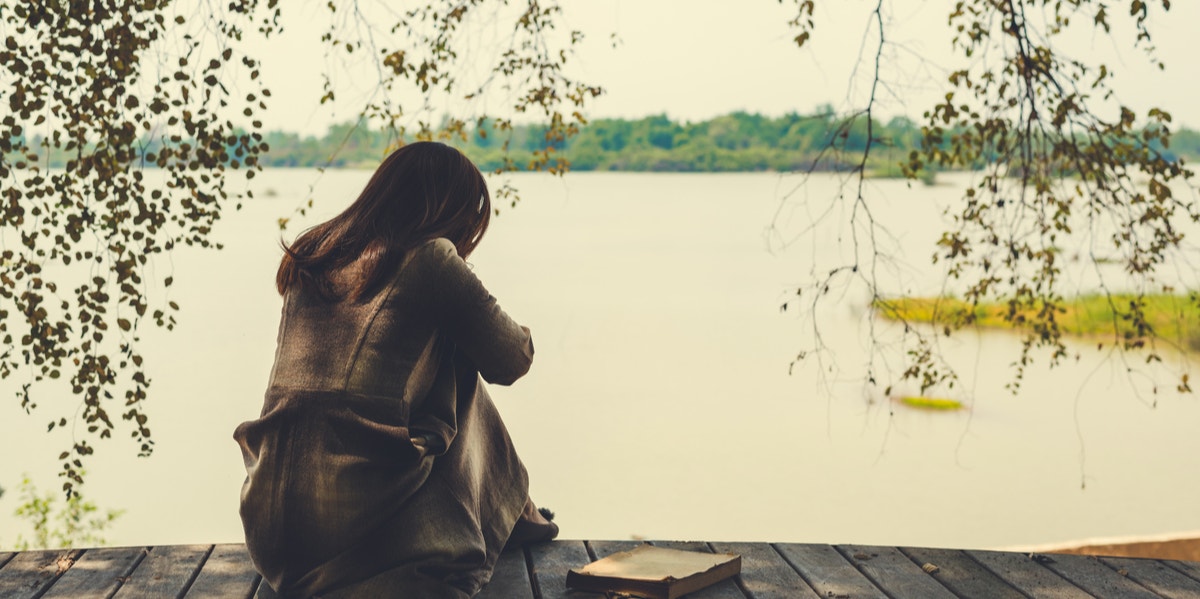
769	570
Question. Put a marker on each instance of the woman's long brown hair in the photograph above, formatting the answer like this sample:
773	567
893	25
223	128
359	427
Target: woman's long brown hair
422	191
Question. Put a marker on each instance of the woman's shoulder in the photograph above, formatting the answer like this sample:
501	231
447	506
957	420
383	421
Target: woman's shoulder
437	245
437	250
432	256
434	264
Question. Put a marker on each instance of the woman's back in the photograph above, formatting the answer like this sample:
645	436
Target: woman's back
338	494
383	345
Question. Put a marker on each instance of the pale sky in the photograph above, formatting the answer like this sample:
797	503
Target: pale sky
696	59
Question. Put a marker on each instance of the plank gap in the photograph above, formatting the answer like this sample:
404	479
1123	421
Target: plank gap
737	580
961	574
129	573
187	586
533	579
921	565
258	581
787	561
1183	568
827	572
1094	576
74	557
982	564
849	557
912	559
1155	576
998	575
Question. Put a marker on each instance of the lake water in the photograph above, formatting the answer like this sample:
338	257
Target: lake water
660	403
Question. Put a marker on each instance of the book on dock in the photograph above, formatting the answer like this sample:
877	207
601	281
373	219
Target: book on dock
655	572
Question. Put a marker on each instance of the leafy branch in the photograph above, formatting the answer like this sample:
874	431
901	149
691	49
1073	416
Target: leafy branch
152	112
1058	162
80	80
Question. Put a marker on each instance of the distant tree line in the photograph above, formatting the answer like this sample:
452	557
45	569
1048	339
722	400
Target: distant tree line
739	141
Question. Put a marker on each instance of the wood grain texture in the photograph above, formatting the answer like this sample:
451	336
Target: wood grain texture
510	579
1091	575
550	564
1155	576
726	589
779	571
1027	575
828	572
1190	569
97	573
165	572
961	574
29	573
893	572
227	573
765	574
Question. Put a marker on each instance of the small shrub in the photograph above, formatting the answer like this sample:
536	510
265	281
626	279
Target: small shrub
77	523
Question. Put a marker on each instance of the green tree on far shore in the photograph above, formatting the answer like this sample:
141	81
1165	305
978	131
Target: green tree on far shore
737	141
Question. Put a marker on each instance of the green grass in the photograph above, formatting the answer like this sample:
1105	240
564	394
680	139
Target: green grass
1170	317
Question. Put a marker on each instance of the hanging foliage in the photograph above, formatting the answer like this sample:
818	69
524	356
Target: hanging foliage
1059	162
154	110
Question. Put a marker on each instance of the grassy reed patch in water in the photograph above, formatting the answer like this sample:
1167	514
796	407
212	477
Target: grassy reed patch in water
1172	318
932	403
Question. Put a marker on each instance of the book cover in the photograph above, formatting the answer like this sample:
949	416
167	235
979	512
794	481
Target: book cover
655	572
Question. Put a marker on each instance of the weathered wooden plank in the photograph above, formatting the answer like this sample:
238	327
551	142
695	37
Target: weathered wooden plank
1089	574
828	572
550	564
228	572
768	572
165	572
1191	569
29	573
1156	576
97	573
765	574
726	589
893	572
510	579
1027	575
961	574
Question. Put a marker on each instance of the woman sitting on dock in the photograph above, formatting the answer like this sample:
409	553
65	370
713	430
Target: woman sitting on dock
379	466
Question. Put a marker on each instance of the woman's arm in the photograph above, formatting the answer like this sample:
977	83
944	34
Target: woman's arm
500	348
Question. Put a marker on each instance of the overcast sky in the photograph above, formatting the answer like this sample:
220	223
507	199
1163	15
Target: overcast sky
695	59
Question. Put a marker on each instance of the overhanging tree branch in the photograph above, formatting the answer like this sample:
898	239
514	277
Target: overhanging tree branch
1052	170
151	109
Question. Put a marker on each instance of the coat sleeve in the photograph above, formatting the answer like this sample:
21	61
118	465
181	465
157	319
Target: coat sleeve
500	348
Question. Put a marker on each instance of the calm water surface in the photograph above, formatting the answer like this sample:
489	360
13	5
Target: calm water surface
660	403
